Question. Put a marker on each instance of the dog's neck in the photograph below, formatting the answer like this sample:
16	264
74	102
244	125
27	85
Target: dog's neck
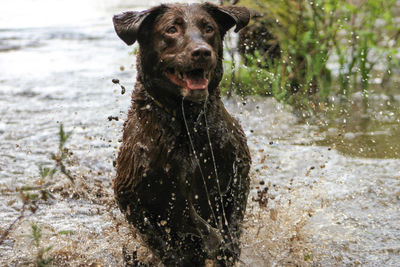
170	111
142	97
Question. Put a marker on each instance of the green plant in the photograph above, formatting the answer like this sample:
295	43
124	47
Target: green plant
61	157
357	35
39	191
250	74
369	36
307	257
303	30
36	235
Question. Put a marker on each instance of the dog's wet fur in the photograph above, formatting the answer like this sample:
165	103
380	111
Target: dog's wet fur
178	133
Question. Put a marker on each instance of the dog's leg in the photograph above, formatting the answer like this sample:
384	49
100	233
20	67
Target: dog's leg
235	200
211	236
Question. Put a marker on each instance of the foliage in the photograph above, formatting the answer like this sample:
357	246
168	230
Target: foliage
250	74
368	37
36	235
32	195
62	155
356	35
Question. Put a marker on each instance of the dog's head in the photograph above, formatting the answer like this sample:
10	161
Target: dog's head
180	46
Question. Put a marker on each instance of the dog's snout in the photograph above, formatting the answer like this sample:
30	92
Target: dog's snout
201	52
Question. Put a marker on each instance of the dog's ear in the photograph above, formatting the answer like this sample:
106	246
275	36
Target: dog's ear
229	16
128	24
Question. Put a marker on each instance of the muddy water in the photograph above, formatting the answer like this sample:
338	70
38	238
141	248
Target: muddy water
316	199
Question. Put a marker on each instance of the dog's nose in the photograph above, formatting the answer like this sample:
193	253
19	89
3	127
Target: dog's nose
201	52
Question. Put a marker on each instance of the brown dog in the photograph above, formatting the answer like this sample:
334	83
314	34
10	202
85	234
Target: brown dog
182	169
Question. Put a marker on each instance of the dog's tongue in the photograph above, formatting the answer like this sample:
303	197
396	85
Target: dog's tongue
196	83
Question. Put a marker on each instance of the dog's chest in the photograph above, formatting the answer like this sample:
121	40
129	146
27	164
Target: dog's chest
208	152
193	151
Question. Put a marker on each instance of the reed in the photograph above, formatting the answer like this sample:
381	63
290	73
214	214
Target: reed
327	48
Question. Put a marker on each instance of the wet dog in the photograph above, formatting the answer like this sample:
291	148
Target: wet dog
182	169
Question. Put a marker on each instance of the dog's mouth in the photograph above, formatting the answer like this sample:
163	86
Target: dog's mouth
195	79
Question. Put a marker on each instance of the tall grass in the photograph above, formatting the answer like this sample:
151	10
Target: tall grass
357	37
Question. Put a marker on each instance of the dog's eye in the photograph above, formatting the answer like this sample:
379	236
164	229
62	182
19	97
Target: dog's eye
209	29
172	30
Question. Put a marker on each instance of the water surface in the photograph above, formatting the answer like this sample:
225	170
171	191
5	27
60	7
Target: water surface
317	199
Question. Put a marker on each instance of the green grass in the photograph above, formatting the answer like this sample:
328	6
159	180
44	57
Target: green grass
358	36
